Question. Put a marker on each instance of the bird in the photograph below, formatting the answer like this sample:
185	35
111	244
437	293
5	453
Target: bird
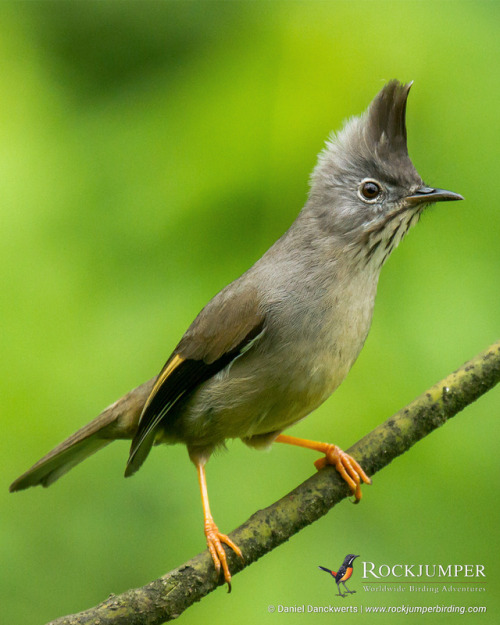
343	574
275	343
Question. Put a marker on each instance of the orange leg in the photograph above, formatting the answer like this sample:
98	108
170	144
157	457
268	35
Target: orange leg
213	536
348	468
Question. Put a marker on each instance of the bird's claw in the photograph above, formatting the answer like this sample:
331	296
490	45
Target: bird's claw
350	470
214	543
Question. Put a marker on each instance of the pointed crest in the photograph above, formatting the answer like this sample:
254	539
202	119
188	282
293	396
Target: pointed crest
371	145
385	126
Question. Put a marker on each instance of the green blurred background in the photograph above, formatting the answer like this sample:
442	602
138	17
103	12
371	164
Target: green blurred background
149	153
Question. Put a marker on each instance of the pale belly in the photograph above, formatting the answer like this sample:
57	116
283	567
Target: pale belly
285	376
252	401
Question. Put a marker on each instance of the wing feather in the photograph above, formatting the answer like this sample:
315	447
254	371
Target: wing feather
223	330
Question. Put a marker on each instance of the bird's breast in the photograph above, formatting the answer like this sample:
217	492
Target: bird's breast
305	352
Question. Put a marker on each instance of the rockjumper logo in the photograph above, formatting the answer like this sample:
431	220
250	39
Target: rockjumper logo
343	574
427	571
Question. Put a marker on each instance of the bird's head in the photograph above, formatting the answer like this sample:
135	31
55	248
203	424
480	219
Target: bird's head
365	190
349	559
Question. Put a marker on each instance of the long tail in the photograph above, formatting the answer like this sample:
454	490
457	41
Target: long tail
333	573
118	421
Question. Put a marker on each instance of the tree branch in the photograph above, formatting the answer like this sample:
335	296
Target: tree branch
167	597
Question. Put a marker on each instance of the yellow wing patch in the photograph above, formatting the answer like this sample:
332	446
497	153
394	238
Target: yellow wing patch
173	364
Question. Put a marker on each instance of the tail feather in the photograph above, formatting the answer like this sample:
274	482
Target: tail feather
80	445
118	421
327	570
58	462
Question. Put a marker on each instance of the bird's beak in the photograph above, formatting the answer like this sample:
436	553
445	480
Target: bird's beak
429	194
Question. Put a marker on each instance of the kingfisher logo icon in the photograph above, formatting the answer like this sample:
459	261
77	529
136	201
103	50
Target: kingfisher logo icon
343	574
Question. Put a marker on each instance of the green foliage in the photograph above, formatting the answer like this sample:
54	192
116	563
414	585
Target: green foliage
149	153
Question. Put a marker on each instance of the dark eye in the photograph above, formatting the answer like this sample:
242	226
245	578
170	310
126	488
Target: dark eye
369	190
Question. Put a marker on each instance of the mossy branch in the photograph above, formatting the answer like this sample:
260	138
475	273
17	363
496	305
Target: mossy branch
167	597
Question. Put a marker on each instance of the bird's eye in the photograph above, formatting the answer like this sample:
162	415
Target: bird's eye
369	190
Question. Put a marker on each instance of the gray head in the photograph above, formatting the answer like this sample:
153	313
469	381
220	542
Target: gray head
365	191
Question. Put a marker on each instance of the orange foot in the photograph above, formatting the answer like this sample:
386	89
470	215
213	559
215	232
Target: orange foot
214	543
348	468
